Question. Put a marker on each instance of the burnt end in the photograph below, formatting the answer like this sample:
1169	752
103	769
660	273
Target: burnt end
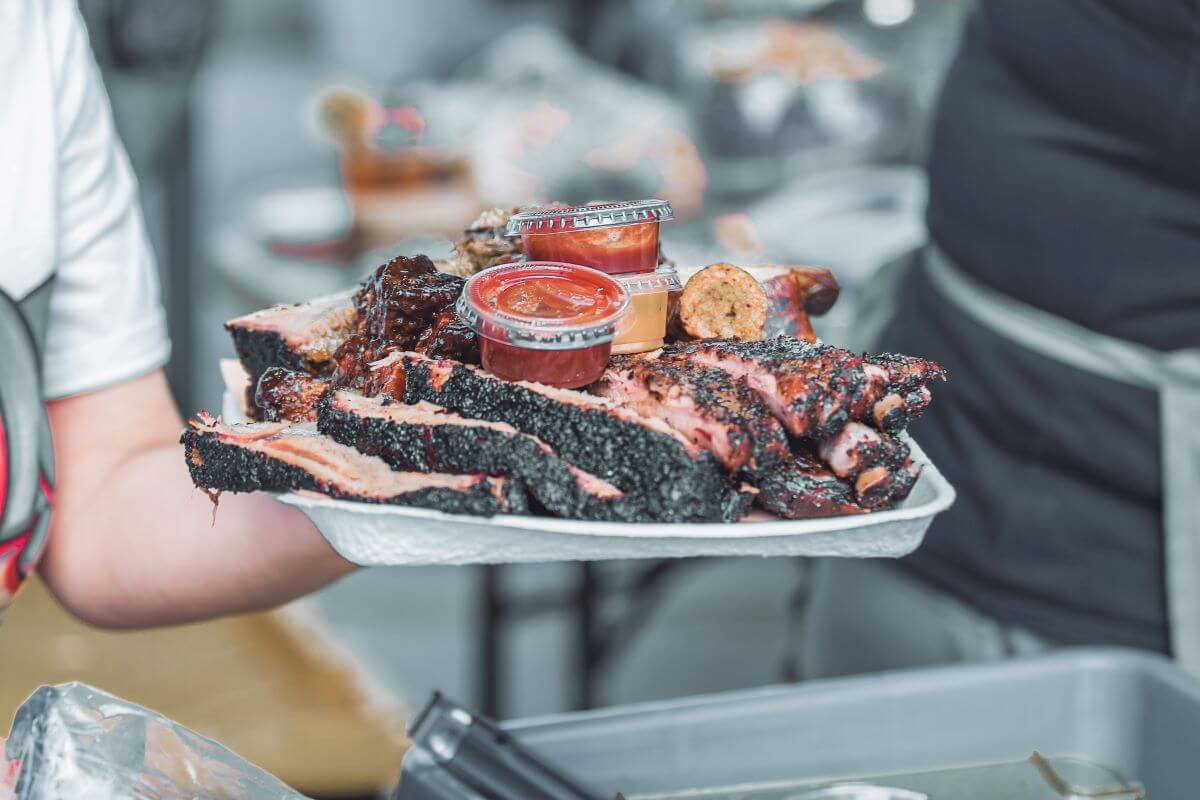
675	485
224	466
449	337
400	300
459	449
800	488
282	395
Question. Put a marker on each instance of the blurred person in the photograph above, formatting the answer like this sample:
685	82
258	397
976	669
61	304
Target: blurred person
1062	293
131	543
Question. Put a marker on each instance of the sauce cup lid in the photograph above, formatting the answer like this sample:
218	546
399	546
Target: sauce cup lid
543	305
601	215
665	278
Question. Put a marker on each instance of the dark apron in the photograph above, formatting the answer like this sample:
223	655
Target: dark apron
1175	376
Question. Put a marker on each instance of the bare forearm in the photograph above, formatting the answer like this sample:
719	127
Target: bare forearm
143	549
133	543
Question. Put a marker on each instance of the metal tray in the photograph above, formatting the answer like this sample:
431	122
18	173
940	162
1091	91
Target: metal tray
373	535
1114	712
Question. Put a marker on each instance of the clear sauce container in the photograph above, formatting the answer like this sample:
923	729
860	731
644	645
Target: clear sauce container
644	327
610	237
543	321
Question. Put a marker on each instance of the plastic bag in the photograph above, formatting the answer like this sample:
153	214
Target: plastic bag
73	741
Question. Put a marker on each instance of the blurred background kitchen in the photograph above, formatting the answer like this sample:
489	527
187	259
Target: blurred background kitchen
781	130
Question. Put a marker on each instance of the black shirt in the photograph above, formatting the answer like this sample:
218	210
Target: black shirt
1065	172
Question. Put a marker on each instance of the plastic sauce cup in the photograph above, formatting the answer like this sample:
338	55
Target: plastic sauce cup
610	237
644	327
544	321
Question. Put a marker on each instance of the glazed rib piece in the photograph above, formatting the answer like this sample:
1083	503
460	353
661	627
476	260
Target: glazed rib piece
401	298
276	457
286	396
300	337
640	455
427	438
405	304
800	487
715	411
815	389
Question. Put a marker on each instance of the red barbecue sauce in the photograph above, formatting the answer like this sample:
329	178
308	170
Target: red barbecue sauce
552	323
616	249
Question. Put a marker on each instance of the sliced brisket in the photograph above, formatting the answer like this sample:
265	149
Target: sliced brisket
301	337
276	457
640	455
715	411
427	438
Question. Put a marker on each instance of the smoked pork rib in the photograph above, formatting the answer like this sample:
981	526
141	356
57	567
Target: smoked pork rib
300	337
815	389
427	438
810	387
800	487
715	411
896	392
642	456
276	457
878	465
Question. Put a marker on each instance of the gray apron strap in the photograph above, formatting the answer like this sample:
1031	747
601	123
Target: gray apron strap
876	305
1176	377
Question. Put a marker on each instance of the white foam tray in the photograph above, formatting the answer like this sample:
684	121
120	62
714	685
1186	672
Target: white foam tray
375	535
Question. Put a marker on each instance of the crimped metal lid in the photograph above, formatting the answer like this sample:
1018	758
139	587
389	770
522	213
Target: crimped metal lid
665	278
482	313
601	215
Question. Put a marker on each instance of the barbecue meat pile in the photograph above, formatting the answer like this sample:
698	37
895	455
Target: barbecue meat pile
377	396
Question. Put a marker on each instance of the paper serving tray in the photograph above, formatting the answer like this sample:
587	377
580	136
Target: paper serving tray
378	535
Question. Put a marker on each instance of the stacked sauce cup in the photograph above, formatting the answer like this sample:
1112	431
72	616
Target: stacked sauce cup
619	239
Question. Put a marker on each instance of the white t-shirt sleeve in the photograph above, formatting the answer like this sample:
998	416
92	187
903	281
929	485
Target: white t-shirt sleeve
106	319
